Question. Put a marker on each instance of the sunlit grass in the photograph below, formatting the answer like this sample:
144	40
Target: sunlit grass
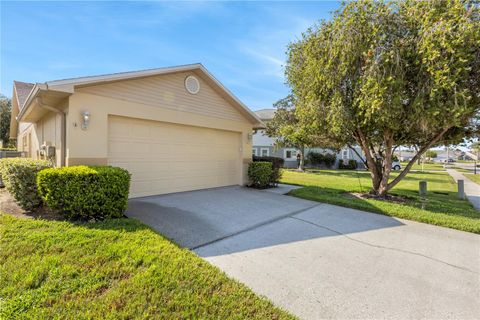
116	269
441	206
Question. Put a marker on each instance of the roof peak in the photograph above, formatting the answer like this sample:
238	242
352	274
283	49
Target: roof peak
125	73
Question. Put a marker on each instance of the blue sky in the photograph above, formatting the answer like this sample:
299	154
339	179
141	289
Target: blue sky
242	43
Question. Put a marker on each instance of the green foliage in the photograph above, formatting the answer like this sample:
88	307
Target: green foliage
19	176
440	207
113	269
350	165
475	147
431	154
277	165
8	149
260	174
85	192
287	130
5	114
381	74
317	159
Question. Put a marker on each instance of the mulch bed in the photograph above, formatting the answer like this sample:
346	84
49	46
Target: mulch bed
9	205
388	198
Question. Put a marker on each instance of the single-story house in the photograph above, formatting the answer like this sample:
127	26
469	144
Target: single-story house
263	145
174	129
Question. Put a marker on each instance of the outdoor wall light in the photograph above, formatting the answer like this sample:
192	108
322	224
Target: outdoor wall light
85	119
249	137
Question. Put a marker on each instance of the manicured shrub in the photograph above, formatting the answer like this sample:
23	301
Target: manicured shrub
19	177
350	165
277	165
85	192
318	159
260	174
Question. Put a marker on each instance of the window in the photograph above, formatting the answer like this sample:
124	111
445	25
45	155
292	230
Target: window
264	152
345	154
290	154
254	151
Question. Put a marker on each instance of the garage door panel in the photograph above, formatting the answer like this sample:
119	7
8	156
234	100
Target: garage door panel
164	157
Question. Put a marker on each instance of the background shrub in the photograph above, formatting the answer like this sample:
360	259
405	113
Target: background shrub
260	174
85	192
277	165
350	165
317	159
19	176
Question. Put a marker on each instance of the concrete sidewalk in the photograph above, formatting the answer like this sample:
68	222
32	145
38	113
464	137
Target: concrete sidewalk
472	190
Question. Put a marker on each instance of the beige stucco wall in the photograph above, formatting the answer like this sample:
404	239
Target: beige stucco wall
33	135
168	92
91	146
160	98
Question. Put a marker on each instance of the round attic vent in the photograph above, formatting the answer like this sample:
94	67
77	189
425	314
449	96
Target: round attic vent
192	85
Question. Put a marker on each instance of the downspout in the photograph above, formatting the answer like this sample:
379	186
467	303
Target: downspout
63	131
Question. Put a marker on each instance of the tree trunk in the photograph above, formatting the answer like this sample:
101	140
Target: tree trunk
372	165
386	168
301	165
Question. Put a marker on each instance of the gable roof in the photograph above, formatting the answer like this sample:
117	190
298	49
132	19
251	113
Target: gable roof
22	90
68	86
265	114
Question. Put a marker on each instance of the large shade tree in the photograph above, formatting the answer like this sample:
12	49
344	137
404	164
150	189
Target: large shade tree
287	130
5	110
387	74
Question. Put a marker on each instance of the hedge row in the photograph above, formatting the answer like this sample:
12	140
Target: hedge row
350	165
277	165
77	192
260	174
316	159
85	192
19	177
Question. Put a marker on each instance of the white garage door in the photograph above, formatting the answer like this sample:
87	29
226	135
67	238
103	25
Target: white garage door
164	157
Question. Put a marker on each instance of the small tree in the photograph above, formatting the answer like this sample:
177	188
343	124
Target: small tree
475	147
5	114
431	154
387	74
287	131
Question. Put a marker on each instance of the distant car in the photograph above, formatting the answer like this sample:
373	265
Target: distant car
449	160
396	165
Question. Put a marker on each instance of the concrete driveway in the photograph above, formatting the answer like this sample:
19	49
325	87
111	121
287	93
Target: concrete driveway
321	261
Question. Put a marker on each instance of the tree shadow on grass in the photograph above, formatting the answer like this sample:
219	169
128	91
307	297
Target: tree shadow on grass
445	204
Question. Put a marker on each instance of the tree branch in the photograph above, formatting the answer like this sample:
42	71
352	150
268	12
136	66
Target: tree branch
359	155
412	161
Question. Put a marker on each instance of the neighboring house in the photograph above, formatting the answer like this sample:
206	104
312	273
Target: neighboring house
174	129
264	146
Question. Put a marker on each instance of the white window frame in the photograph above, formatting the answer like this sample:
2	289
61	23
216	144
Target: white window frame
254	152
345	154
294	154
261	152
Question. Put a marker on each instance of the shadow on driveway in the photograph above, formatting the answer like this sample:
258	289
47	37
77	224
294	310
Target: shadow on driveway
199	218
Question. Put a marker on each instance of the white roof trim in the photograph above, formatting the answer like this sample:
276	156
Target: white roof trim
36	88
63	85
121	75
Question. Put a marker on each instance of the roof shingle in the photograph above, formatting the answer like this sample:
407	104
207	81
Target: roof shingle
23	89
265	114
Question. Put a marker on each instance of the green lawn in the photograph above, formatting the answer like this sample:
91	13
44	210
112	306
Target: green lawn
474	177
462	170
440	207
116	269
426	166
